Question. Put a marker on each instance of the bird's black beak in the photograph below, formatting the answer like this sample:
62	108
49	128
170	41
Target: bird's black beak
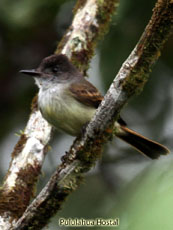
31	72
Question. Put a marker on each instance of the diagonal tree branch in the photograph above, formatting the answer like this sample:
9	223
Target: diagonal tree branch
91	21
86	150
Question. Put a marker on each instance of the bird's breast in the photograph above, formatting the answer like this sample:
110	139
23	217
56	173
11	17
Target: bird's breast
63	111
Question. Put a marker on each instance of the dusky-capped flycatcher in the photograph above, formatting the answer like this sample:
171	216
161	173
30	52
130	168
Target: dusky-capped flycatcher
68	102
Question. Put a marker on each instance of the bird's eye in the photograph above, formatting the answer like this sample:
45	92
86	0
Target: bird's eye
55	69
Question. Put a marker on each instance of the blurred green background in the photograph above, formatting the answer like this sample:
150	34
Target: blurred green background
123	184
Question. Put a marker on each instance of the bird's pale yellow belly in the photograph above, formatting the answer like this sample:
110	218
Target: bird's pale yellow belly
65	113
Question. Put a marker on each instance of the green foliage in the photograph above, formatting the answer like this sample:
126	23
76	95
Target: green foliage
147	202
22	14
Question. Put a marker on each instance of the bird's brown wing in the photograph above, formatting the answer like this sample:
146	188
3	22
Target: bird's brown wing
86	93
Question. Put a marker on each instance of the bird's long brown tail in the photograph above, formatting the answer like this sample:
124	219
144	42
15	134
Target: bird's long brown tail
144	145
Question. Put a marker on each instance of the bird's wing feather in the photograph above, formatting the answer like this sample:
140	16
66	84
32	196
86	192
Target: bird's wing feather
86	93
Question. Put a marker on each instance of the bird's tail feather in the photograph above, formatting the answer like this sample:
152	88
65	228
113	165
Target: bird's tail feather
144	145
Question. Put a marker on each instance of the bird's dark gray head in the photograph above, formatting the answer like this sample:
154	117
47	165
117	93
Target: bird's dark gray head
56	65
55	68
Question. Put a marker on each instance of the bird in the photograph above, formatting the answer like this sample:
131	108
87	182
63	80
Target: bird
68	102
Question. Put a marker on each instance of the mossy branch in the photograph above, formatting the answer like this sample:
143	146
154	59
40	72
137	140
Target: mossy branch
90	22
86	150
